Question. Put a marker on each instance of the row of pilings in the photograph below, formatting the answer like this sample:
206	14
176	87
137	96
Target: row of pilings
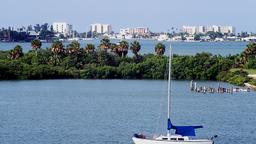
203	89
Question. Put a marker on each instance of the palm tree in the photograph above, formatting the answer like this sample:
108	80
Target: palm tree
122	48
135	48
160	49
74	44
89	48
250	51
36	45
73	48
105	44
16	52
113	48
58	50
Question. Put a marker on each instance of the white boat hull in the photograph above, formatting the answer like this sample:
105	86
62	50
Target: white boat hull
151	141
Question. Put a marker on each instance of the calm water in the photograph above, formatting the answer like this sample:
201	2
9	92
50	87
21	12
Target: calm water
183	48
111	111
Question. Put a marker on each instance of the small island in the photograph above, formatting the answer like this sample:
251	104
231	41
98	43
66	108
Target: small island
110	61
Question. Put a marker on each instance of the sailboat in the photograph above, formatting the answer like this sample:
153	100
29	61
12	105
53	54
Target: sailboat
182	134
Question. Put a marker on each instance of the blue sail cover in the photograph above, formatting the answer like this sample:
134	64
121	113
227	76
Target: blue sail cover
186	130
183	130
169	124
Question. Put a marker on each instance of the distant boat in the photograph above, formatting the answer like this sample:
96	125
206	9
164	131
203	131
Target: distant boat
74	39
182	133
122	37
163	37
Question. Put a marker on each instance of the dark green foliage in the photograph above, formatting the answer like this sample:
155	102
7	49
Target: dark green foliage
46	35
238	77
253	82
247	58
153	67
10	35
104	65
197	37
10	69
105	58
102	72
40	57
3	54
59	62
214	35
202	66
4	71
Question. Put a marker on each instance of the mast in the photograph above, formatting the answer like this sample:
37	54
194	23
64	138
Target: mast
169	91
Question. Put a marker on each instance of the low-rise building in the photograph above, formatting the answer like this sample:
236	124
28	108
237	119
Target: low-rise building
135	31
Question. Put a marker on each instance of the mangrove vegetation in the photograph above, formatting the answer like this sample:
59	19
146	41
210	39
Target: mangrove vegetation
111	61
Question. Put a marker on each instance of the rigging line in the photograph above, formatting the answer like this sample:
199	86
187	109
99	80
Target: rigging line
169	81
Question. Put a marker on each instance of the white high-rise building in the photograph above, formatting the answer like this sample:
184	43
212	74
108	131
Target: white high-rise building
63	28
209	29
227	29
201	29
204	29
190	29
216	28
101	28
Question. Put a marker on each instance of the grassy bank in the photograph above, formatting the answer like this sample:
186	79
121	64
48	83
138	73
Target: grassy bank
249	71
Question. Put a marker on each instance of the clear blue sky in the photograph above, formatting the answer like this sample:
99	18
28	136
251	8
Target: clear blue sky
158	15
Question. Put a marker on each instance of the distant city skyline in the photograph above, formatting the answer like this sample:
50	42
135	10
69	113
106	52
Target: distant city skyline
157	15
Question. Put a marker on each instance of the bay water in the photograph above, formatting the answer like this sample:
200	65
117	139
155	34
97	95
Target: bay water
147	46
111	111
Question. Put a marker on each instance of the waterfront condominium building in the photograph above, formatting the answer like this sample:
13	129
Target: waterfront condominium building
135	31
227	29
63	28
212	28
101	28
201	29
191	30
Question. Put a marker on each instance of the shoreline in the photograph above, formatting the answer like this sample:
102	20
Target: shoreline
250	86
68	41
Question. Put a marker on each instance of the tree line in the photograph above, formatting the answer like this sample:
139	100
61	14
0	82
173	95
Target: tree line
44	31
110	61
